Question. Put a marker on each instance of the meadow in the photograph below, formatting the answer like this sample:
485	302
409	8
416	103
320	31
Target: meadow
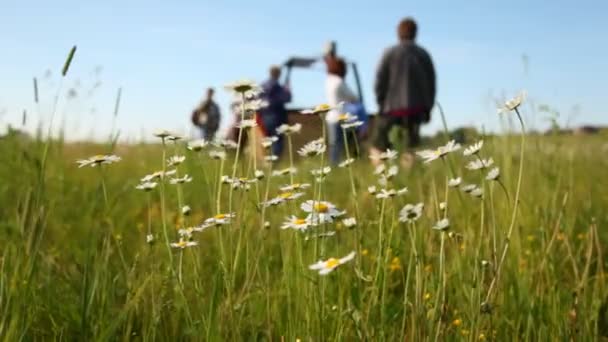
187	240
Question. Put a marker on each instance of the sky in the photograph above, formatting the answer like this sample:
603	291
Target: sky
164	54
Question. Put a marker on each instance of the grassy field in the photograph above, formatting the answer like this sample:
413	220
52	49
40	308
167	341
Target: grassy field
76	263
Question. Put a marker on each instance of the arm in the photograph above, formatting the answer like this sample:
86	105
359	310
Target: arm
429	70
345	94
382	76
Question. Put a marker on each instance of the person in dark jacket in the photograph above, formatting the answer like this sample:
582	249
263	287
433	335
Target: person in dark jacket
207	116
274	114
405	88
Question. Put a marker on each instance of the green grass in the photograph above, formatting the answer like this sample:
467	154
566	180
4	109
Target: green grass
74	266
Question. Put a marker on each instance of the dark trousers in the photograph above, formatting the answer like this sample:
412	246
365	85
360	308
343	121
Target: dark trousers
383	124
271	123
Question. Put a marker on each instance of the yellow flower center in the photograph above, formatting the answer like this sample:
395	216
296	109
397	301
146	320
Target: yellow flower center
285	195
219	216
332	262
299	221
457	322
181	243
343	117
321	207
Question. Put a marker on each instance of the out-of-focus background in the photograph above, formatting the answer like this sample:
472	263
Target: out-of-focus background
165	54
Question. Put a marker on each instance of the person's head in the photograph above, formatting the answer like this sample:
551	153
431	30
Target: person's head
210	93
275	72
407	29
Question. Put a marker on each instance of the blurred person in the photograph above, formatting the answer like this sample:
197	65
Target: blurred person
338	92
405	90
274	114
207	116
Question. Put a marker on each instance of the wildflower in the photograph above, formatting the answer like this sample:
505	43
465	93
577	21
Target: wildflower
326	266
372	189
320	235
346	117
402	191
284	197
493	174
186	210
183	244
258	174
186	232
364	252
457	322
150	238
271	158
178	180
485	263
384	193
98	160
442	225
411	212
268	141
197	145
454	182
513	103
219	155
473	149
286	129
242	86
349	222
440	152
479	164
351	125
158	174
387	155
395	264
477	192
320	211
427	296
379	169
321	172
469	188
146	186
175	160
313	148
347	162
162	133
296	223
320	109
219	219
255	105
283	172
228	144
443	206
293	187
174	137
247	124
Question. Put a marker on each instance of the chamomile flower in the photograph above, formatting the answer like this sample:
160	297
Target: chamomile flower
372	189
320	109
258	174
158	175
162	133
150	238
477	192
380	169
346	162
197	145
468	188
391	172
327	266
284	172
218	155
180	180
479	164
443	206
493	174
440	152
186	210
98	160
384	156
320	235
220	219
282	198
293	187
349	222
228	144
442	224
320	211
384	193
242	86
271	158
175	137
351	125
321	172
296	223
268	141
454	182
146	186
411	212
402	191
255	105
247	124
513	103
473	149
186	232
183	244
175	160
313	148
286	129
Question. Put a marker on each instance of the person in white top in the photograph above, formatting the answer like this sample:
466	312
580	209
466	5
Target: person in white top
339	95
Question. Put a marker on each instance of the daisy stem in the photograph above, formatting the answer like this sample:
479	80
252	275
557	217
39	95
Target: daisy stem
417	290
219	189
439	309
496	277
290	148
238	150
163	212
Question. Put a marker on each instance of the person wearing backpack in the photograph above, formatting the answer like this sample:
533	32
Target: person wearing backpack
207	116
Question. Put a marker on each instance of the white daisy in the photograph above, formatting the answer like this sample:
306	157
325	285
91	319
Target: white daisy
351	125
477	192
454	182
182	180
283	172
320	211
220	219
513	104
242	86
258	174
349	222
493	174
326	266
98	160
386	155
219	155
146	186
175	160
313	148
411	212
473	149
321	172
282	198
197	145
186	210
320	109
158	174
183	244
443	206
150	238
296	223
271	158
227	144
347	162
320	235
384	194
440	152
479	164
286	129
380	169
175	137
468	188
268	141
247	124
162	133
372	189
442	225
293	187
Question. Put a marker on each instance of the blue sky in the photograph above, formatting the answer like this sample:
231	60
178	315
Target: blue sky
164	54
